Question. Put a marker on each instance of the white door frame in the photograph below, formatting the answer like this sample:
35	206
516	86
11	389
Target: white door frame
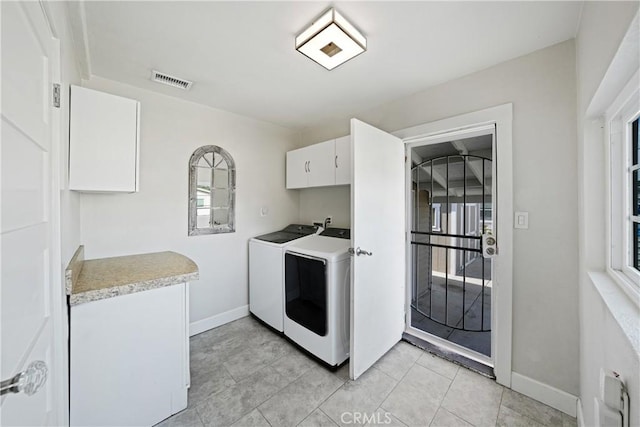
58	295
500	116
59	312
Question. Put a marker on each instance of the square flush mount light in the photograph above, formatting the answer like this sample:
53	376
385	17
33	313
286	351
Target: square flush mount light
331	40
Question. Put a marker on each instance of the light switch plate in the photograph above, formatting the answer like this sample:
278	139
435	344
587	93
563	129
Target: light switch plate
521	220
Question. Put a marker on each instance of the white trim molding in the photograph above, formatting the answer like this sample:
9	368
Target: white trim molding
551	396
203	325
579	415
77	18
618	119
624	310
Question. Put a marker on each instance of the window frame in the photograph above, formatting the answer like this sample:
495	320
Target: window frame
634	216
618	136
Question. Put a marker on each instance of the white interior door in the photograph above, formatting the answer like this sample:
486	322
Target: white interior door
30	262
377	227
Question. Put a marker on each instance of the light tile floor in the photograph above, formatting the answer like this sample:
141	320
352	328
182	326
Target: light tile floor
243	374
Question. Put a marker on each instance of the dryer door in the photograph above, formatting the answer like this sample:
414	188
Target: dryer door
306	291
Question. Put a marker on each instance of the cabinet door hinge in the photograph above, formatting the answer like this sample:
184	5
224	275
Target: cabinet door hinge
56	95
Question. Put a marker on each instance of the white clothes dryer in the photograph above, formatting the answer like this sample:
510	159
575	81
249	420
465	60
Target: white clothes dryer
317	294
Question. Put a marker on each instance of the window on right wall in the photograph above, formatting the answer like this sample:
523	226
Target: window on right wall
635	196
624	214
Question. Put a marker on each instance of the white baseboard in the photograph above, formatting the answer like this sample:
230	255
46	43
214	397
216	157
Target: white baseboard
558	399
200	326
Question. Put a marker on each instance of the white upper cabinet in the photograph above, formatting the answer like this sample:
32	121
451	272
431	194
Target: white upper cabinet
343	160
104	142
321	168
297	175
320	165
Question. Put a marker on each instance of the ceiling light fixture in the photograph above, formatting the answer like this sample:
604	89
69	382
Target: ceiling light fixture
331	40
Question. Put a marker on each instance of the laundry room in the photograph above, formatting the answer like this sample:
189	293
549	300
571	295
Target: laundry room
308	213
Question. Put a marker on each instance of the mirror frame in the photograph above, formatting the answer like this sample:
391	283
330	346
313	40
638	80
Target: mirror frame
193	191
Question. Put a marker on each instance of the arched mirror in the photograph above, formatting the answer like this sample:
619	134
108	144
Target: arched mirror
212	185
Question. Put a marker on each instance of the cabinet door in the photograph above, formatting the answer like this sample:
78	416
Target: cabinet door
129	361
343	160
321	164
103	154
297	164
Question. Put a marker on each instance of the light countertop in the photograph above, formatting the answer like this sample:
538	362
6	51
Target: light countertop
97	279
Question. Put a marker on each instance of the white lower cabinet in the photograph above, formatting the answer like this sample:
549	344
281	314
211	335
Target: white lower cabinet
320	165
130	358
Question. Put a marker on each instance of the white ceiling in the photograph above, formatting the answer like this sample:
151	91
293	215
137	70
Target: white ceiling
242	59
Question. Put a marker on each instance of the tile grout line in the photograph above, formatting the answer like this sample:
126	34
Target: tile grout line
265	418
414	363
400	380
328	397
519	412
263	401
325	414
394	387
239	380
235	381
199	417
499	405
445	395
282	388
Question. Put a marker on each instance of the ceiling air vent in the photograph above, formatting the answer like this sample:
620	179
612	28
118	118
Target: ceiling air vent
168	80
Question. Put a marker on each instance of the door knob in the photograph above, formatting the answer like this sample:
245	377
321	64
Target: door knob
29	381
489	245
359	252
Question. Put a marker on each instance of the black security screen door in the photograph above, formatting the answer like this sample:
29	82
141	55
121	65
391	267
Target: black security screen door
452	208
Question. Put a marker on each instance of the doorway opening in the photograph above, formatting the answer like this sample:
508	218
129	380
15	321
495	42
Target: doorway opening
452	207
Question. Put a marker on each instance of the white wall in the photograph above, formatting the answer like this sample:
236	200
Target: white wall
541	87
603	343
69	74
318	203
69	200
155	219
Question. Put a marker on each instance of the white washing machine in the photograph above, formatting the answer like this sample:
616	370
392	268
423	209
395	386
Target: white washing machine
266	272
317	294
